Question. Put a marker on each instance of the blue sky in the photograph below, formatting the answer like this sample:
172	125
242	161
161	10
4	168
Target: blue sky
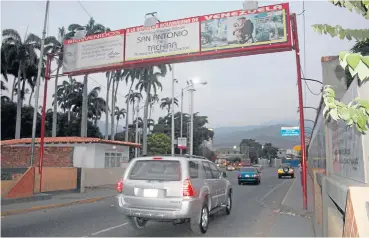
247	90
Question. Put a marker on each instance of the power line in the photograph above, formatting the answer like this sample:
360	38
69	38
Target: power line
84	9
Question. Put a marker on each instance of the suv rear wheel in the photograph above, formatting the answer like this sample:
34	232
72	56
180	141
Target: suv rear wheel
200	226
229	204
138	223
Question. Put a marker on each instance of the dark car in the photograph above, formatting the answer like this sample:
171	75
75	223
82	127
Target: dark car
286	170
249	174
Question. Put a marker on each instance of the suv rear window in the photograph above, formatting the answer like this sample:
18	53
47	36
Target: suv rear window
165	170
247	169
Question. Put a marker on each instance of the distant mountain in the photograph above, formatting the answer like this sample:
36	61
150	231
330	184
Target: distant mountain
230	136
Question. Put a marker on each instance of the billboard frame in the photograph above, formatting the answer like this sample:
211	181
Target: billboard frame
292	44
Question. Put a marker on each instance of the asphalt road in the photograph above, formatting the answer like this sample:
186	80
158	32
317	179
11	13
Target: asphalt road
250	216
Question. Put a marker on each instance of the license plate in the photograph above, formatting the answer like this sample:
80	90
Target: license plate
247	175
150	193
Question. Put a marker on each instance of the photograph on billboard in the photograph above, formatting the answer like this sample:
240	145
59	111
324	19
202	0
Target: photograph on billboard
95	51
239	29
165	39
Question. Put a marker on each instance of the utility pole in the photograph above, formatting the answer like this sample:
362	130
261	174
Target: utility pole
192	89
37	92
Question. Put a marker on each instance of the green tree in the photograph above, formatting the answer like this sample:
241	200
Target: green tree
24	55
159	144
119	113
253	147
356	112
269	151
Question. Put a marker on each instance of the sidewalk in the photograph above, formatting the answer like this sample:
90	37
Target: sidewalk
292	220
59	200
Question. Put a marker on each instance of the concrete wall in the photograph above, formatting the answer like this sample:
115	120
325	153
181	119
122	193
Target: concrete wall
100	176
58	179
342	154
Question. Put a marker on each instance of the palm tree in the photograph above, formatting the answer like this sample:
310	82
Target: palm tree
149	79
55	46
132	74
66	94
24	55
167	103
119	113
96	105
153	99
119	75
91	28
133	98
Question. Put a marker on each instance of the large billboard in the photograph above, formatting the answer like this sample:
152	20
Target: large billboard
220	35
165	39
95	51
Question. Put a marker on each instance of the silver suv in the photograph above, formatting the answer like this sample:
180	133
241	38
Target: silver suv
174	189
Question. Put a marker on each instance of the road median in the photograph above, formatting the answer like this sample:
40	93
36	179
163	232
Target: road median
50	206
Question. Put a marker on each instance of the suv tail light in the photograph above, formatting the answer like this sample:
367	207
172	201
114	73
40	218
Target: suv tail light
188	190
120	186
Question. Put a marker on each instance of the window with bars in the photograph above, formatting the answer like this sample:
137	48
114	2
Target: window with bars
113	159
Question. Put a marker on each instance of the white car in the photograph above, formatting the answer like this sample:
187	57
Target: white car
230	168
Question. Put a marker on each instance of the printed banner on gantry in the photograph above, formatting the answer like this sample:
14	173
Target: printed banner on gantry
165	39
241	29
95	51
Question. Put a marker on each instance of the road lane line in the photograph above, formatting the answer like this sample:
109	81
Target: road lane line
272	190
284	199
109	229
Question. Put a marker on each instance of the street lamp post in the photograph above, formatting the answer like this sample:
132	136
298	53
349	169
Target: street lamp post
191	89
173	132
181	133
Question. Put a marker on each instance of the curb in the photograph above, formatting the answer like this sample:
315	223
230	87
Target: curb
37	208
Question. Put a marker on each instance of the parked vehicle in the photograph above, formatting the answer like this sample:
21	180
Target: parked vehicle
259	167
173	189
286	170
249	174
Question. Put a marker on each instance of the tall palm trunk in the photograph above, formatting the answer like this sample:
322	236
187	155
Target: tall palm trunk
30	97
146	113
19	106
112	111
84	108
116	127
115	102
127	114
12	95
55	112
107	107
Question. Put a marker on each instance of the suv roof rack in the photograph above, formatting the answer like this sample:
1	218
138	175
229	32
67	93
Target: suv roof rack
183	155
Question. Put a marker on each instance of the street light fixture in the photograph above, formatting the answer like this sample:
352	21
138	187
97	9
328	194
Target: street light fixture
191	89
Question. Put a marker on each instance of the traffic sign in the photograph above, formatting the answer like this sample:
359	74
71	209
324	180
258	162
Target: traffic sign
182	143
290	131
297	148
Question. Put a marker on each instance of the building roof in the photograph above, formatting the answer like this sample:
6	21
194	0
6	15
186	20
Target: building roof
67	140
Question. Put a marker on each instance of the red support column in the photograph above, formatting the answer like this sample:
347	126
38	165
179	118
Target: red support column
301	107
43	116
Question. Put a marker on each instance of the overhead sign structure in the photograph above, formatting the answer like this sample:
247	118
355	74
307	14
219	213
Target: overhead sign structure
94	52
182	143
221	35
290	131
162	40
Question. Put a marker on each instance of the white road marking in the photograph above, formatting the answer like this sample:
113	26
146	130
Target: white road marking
272	190
284	199
109	229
